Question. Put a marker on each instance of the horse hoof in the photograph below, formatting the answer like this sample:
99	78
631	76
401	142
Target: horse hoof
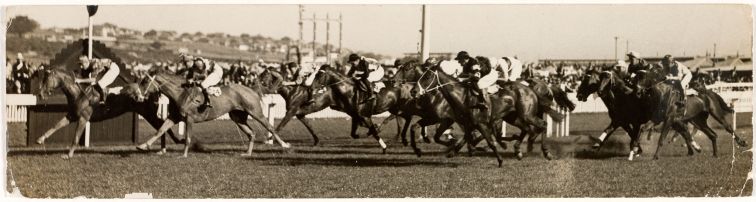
500	162
384	150
596	146
268	142
246	154
143	147
161	152
547	155
405	143
355	136
66	157
418	153
656	157
41	141
519	155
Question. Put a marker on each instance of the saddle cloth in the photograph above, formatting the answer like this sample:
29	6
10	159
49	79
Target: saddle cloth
377	86
691	92
214	91
115	90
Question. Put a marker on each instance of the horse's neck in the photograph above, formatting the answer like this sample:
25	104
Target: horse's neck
170	89
71	90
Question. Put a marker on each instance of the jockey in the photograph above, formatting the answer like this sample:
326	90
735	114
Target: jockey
305	75
366	71
187	62
430	62
88	66
636	63
677	74
512	70
472	70
206	74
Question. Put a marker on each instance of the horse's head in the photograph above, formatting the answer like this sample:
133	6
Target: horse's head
326	76
700	80
51	80
191	99
645	79
589	84
407	72
427	81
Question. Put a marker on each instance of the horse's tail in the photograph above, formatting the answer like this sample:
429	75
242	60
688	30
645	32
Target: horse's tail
561	99
720	100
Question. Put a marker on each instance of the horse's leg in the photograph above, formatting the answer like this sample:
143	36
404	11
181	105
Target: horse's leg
680	128
413	140
160	132
240	118
605	135
62	123
289	113
486	132
389	118
188	123
665	129
306	123
80	126
156	122
720	117
443	125
403	133
353	130
258	116
634	133
700	122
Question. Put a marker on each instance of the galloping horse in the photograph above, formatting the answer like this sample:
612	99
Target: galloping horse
621	108
343	95
238	101
295	97
660	97
83	106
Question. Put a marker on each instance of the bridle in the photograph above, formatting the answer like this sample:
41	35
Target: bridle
428	88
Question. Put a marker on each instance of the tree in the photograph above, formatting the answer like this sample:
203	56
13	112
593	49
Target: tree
199	34
156	45
186	35
21	25
285	40
244	36
150	34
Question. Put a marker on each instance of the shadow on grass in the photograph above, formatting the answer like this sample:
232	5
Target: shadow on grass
353	161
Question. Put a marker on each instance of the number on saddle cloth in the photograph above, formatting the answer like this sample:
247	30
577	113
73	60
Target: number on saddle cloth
214	91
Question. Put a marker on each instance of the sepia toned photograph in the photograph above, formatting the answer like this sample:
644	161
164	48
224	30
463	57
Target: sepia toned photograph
373	101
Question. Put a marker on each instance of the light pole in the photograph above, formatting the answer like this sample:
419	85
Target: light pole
424	42
615	48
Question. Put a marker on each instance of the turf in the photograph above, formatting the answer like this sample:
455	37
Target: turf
343	167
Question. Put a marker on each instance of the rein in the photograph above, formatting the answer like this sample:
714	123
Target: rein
437	79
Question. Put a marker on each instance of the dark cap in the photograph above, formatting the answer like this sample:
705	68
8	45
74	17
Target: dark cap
462	55
353	57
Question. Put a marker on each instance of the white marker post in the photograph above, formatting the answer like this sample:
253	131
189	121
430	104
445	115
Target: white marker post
91	10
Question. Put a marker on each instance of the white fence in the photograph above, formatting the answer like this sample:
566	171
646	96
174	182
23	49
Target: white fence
742	93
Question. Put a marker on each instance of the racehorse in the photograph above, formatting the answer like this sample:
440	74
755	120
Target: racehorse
83	106
660	101
651	85
621	108
295	97
344	96
238	101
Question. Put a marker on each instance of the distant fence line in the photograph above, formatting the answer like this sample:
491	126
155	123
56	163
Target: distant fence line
16	104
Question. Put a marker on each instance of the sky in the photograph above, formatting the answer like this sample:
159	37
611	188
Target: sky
528	31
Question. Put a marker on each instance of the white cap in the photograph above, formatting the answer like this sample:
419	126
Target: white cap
20	56
633	54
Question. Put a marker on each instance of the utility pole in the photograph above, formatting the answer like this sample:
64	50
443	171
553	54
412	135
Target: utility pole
615	47
301	35
340	31
627	46
314	33
424	42
328	39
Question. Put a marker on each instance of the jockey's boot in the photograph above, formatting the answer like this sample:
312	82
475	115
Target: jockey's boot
369	90
206	104
310	99
482	104
101	91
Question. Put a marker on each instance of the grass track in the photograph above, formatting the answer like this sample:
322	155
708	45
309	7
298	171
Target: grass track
343	167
